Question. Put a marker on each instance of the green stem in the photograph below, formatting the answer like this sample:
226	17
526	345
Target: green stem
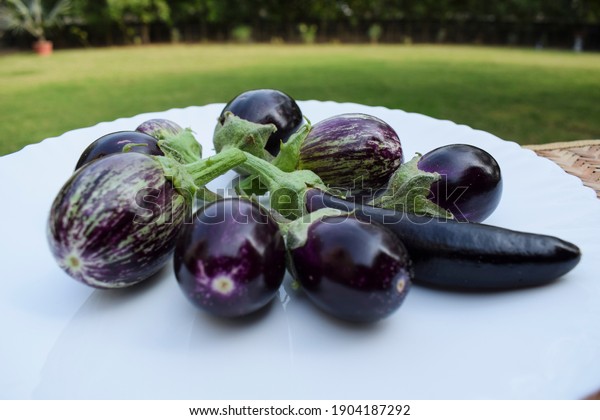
182	147
286	189
269	174
296	231
190	179
286	160
129	146
205	170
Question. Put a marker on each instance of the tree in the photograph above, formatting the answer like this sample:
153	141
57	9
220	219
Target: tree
144	12
32	17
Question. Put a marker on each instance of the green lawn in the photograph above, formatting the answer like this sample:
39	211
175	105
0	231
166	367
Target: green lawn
523	95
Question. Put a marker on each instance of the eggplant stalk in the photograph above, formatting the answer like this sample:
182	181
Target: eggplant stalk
287	189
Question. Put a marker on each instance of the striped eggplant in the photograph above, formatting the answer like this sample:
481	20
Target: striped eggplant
115	221
355	152
159	128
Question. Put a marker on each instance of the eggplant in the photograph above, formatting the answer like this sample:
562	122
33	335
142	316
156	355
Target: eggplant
465	256
355	152
230	261
181	146
115	221
118	142
351	269
159	128
471	182
266	106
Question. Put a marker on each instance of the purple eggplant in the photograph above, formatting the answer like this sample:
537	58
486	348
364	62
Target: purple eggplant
355	152
351	269
159	128
115	221
178	144
266	106
118	142
471	182
465	256
231	260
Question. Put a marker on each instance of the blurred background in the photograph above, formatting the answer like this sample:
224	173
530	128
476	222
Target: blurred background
525	70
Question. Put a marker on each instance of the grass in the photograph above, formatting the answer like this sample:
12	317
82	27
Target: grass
523	95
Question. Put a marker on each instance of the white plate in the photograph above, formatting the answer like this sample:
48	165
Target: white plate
61	339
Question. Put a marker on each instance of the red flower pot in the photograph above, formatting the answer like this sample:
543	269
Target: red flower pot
43	47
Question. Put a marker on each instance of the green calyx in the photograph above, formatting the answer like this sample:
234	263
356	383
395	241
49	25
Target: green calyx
287	161
235	132
296	231
408	189
182	147
289	152
287	190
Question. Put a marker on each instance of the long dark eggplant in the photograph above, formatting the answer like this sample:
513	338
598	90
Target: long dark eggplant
466	256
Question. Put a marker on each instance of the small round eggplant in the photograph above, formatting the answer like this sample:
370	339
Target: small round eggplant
471	183
354	270
356	152
267	106
116	142
115	221
231	260
159	128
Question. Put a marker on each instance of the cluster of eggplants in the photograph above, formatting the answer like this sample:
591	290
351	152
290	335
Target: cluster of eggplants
231	260
115	221
120	217
357	154
465	256
468	184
